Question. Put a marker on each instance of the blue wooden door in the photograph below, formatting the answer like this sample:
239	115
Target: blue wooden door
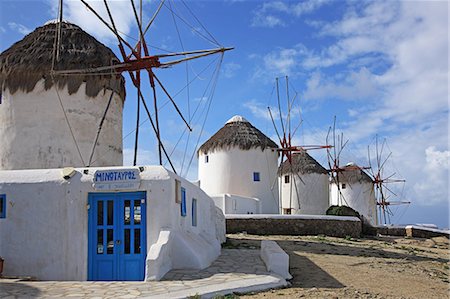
117	236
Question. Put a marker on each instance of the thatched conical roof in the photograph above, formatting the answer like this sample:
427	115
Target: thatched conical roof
353	174
237	132
30	60
302	163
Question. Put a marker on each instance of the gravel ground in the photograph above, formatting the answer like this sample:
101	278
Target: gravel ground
380	267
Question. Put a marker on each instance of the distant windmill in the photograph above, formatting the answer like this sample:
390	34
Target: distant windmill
334	151
350	185
292	155
381	181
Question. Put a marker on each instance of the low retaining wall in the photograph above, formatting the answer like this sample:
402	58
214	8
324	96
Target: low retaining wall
399	231
424	232
412	231
335	226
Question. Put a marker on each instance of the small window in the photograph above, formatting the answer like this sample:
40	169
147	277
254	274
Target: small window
206	159
194	212
2	206
344	186
287	211
177	191
256	177
286	179
183	202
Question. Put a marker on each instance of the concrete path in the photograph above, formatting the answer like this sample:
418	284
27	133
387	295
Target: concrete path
236	270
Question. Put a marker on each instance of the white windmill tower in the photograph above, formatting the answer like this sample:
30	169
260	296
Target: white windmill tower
71	84
303	185
350	185
50	121
303	181
239	160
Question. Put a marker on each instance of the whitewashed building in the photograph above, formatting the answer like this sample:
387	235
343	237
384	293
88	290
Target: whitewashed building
238	166
105	224
355	191
304	186
86	223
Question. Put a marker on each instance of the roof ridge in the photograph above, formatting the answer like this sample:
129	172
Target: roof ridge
241	134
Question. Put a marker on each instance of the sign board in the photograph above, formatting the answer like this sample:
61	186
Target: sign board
117	179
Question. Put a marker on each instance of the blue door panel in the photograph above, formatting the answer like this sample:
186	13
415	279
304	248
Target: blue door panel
105	270
117	236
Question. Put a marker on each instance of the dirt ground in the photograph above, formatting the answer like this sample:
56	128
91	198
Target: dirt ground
378	267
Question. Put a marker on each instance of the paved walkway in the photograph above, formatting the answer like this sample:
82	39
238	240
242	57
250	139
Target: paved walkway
236	270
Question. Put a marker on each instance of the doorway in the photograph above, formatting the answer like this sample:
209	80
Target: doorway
117	236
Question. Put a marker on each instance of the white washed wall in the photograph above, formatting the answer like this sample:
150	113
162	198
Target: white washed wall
45	231
359	196
233	204
35	134
312	192
231	172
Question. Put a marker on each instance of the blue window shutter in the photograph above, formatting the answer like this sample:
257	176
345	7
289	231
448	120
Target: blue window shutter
256	177
194	212
2	206
183	202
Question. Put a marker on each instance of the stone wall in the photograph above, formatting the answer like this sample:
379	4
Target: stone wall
384	230
423	232
335	226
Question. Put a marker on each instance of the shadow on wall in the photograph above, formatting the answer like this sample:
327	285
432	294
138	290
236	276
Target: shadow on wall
18	289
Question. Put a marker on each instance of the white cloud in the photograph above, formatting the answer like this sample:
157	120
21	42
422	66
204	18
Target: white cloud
355	85
393	58
271	14
19	28
260	111
77	13
270	21
122	12
230	69
282	61
305	7
433	185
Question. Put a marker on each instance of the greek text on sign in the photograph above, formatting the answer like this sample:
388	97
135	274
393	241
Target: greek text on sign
117	179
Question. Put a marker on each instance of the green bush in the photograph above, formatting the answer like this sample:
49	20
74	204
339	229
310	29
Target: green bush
342	211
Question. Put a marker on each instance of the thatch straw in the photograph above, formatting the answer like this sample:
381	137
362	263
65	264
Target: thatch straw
351	175
239	134
302	163
30	60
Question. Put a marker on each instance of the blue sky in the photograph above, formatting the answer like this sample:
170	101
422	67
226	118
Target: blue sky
380	67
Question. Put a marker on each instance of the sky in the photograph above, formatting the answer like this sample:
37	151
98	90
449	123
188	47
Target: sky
379	67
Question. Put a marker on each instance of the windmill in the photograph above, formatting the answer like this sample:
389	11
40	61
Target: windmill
291	154
140	64
382	181
350	184
335	168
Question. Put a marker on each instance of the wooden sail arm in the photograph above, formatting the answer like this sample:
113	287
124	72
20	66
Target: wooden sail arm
392	203
303	148
387	181
202	53
145	62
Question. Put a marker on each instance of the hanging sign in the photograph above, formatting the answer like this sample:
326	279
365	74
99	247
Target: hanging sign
117	179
